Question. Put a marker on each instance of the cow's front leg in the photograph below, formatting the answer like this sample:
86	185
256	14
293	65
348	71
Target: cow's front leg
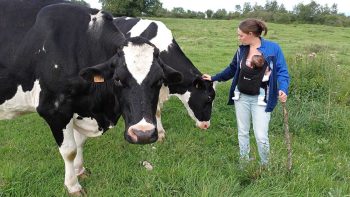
161	131
58	115
80	139
163	97
68	150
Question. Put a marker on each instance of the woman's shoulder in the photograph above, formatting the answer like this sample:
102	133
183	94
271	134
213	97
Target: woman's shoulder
270	47
269	43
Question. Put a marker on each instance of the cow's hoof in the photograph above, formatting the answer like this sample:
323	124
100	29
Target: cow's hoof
161	136
85	174
82	192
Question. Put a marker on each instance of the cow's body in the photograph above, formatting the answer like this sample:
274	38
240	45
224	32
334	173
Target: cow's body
47	60
197	95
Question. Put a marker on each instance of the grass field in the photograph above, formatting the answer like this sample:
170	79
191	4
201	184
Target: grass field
192	162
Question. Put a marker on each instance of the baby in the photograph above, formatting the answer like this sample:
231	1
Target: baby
257	62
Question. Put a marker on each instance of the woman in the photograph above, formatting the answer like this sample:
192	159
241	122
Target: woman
247	79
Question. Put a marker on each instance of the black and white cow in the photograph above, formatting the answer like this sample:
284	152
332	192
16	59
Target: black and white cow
74	67
196	94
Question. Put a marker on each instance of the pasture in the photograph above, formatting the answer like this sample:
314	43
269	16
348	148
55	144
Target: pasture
193	162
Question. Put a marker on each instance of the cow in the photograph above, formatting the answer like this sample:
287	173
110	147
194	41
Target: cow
195	93
74	67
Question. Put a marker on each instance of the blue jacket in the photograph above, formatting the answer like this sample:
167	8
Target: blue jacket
279	78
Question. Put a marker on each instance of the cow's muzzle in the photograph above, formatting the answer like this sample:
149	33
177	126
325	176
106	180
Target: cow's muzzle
203	124
142	133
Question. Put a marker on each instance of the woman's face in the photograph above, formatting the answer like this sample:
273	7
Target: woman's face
244	38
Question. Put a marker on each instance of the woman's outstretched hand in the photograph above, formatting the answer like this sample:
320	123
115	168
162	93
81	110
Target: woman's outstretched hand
206	77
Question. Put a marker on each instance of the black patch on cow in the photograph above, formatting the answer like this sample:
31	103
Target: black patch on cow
16	18
125	25
202	97
150	32
8	86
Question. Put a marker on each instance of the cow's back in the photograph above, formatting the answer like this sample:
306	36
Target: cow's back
16	18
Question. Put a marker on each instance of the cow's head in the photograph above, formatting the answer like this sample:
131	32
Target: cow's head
200	101
138	75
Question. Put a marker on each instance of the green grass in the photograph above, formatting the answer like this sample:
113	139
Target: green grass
192	162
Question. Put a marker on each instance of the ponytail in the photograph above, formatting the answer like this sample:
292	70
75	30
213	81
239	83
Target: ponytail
253	25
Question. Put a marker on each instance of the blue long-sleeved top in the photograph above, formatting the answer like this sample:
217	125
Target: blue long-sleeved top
279	78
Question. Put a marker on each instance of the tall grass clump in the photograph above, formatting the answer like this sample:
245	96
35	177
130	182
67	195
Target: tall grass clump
318	92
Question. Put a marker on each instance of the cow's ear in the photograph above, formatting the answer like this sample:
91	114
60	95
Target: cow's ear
198	82
98	73
172	76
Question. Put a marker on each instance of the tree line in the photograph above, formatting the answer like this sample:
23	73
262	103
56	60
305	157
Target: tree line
311	13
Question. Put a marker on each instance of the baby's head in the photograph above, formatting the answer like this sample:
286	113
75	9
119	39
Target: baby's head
257	61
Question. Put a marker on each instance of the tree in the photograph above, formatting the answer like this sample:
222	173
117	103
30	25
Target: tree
247	8
238	8
220	14
151	7
308	13
282	9
258	8
178	12
209	13
271	6
132	7
334	9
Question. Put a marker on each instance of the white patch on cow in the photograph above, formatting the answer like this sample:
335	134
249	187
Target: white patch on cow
55	66
138	60
96	18
79	160
68	150
57	104
143	125
163	96
185	98
86	126
95	24
163	39
21	103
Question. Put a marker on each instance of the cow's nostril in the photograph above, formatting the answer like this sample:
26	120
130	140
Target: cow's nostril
145	137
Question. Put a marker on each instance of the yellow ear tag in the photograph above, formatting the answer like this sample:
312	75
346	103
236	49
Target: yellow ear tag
98	79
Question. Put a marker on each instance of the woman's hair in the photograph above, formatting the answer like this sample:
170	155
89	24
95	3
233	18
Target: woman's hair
253	25
258	61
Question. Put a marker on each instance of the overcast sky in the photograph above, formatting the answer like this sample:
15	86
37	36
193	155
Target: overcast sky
229	5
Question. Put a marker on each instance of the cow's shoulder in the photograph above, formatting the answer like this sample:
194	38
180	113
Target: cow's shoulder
125	23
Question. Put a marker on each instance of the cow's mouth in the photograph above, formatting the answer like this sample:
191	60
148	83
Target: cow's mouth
137	134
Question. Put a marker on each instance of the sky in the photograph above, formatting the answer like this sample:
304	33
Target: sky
229	5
